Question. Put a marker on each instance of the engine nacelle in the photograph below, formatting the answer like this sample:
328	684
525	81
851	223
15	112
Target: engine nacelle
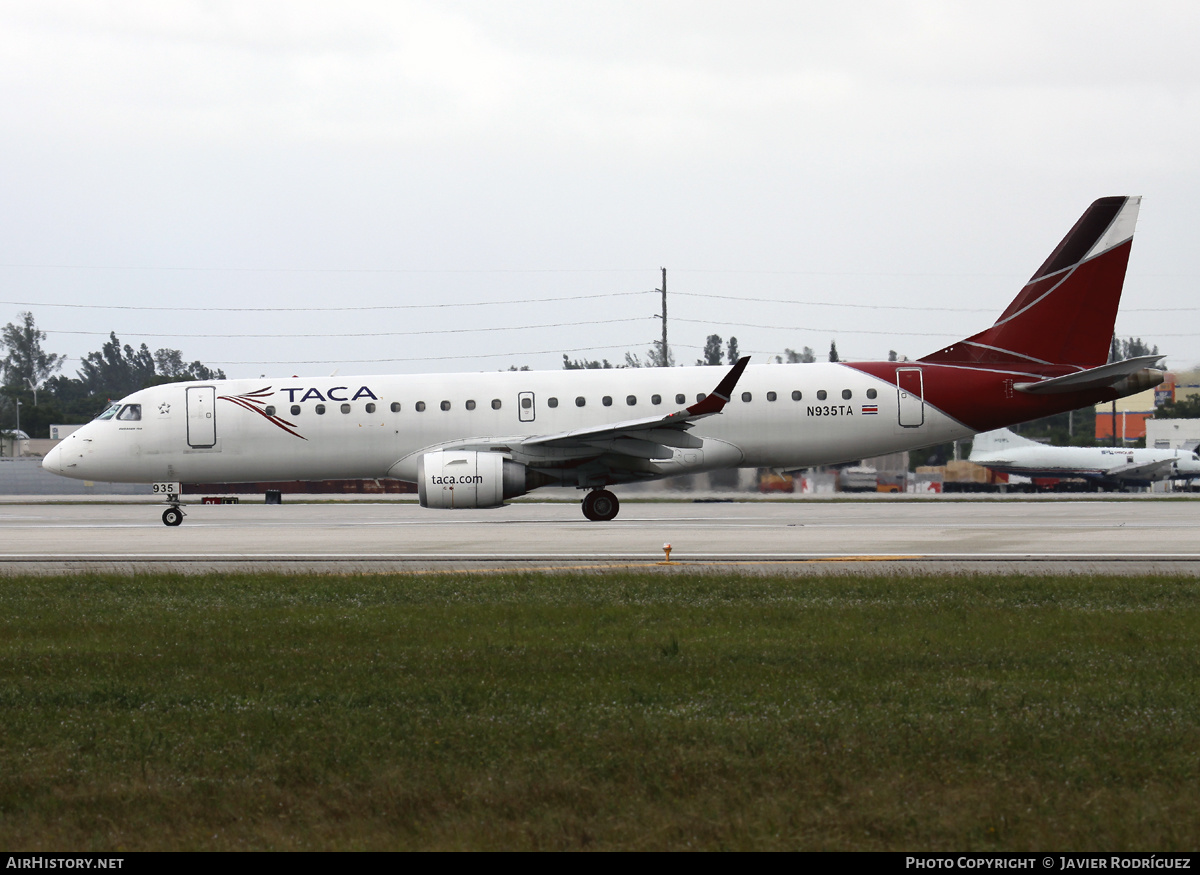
457	479
1139	381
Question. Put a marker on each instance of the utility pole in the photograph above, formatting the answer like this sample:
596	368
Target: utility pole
664	357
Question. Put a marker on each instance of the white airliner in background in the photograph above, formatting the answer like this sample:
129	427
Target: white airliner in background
474	440
1110	467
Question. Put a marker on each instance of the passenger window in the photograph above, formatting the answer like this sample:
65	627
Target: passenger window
130	413
470	405
771	396
700	397
550	402
606	400
495	404
680	398
395	407
370	407
631	400
420	407
822	394
656	399
320	410
846	394
871	393
345	408
270	411
796	396
746	396
580	401
295	410
445	405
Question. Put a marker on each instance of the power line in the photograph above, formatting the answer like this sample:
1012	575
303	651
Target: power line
433	358
134	268
325	309
835	304
327	335
374	307
902	307
842	330
142	268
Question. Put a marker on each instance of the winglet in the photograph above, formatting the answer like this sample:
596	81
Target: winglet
720	396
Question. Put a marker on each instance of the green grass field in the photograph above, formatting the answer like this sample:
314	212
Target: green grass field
599	710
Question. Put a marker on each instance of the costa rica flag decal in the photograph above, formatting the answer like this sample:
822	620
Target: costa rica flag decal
870	409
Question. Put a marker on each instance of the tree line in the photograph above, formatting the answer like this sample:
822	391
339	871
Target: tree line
31	377
716	352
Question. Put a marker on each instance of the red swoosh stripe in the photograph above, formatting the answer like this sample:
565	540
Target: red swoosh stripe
248	404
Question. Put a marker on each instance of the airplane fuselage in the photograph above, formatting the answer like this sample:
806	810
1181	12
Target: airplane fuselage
784	416
1092	462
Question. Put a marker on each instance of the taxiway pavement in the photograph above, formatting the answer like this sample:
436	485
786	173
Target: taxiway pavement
1030	536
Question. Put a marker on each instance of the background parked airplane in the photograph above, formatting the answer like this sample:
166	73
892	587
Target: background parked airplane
1113	468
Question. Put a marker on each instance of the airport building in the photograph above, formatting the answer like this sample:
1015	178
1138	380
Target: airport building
1173	434
1132	412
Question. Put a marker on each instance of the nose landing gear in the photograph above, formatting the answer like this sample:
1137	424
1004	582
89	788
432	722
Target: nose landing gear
600	505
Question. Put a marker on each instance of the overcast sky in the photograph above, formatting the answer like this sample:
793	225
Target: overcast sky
885	174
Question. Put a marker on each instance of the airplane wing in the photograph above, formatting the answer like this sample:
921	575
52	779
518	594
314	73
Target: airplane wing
617	452
1143	471
651	437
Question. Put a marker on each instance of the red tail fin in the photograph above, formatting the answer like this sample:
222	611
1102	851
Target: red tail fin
1065	313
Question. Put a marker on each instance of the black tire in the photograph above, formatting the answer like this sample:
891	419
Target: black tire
601	506
172	516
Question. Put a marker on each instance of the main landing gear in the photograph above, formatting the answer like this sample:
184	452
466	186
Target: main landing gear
173	515
600	505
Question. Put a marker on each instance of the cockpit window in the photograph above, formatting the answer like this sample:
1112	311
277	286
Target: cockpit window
110	411
130	413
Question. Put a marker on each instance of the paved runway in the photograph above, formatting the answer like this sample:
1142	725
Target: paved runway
1117	536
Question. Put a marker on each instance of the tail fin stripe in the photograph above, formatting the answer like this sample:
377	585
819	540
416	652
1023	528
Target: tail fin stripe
1092	229
1050	291
1007	352
1094	252
1119	230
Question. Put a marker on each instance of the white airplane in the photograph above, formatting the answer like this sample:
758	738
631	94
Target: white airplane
1115	467
475	440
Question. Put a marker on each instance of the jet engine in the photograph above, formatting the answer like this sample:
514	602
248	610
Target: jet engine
1139	381
456	479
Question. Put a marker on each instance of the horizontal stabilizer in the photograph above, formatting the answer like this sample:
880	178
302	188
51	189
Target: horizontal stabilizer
1139	372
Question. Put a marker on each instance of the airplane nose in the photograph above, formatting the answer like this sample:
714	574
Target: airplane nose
53	461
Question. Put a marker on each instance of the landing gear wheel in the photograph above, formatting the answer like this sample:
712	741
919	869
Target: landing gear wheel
172	516
600	506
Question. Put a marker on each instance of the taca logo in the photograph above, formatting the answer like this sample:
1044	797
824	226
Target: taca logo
330	394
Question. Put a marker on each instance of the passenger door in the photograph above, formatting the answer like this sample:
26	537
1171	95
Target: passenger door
201	417
910	393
